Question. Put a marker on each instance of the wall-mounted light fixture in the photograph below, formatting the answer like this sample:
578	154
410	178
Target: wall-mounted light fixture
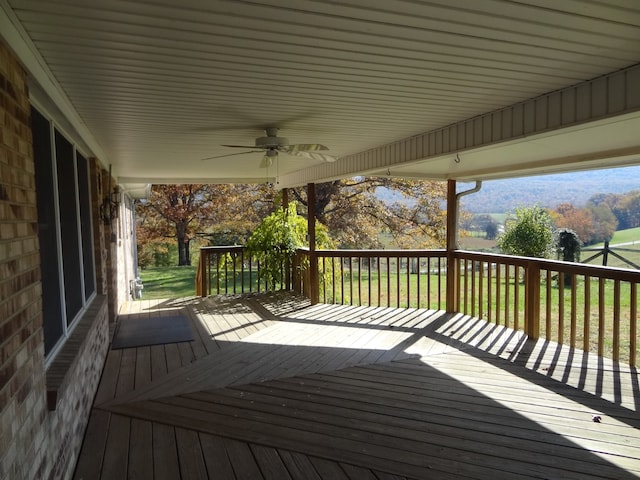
110	205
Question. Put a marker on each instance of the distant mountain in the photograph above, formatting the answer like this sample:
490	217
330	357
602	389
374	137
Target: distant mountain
502	196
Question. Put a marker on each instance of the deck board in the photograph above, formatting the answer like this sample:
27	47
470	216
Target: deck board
192	464
116	454
216	458
165	452
272	387
89	464
141	450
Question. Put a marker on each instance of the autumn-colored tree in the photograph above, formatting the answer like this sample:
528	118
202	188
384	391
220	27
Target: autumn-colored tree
182	212
174	211
578	220
239	210
355	213
627	210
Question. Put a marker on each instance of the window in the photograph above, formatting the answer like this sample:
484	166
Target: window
64	221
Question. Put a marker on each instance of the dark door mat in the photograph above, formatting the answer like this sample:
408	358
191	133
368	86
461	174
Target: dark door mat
141	332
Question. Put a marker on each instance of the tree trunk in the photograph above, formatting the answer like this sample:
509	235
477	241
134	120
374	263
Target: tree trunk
184	255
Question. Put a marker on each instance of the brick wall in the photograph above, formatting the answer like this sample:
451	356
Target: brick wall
23	412
96	173
73	386
35	442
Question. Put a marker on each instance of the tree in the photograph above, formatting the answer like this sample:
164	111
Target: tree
275	241
482	223
627	211
173	211
579	220
181	212
491	230
529	234
605	222
568	245
355	211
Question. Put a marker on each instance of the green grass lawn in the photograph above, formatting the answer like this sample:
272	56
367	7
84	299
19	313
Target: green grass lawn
630	250
168	282
625	236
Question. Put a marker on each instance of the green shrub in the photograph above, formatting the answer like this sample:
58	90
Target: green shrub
275	241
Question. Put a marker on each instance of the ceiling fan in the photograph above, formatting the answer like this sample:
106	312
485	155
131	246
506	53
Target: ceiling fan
272	145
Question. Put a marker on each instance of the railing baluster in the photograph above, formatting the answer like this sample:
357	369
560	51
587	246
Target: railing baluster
474	268
429	282
601	310
506	294
388	281
352	281
498	292
370	303
418	292
379	279
516	297
560	308
408	283
633	325
398	282
250	265
489	290
549	286
342	260
574	313
616	320
481	290
587	313
333	280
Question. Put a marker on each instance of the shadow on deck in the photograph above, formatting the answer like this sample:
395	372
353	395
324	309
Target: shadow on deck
272	387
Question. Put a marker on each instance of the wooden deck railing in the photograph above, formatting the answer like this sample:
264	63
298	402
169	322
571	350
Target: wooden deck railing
383	278
231	270
586	307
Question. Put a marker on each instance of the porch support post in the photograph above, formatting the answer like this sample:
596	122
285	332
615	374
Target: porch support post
452	244
314	288
287	267
532	300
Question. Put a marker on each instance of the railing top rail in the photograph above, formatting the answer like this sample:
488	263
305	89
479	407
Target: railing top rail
378	253
224	248
614	273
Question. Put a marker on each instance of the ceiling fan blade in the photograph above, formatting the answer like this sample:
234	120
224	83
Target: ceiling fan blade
230	154
312	155
239	146
306	147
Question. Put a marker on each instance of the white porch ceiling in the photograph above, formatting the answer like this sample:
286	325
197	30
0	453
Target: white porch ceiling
156	86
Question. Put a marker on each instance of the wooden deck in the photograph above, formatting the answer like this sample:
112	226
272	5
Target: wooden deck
274	388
